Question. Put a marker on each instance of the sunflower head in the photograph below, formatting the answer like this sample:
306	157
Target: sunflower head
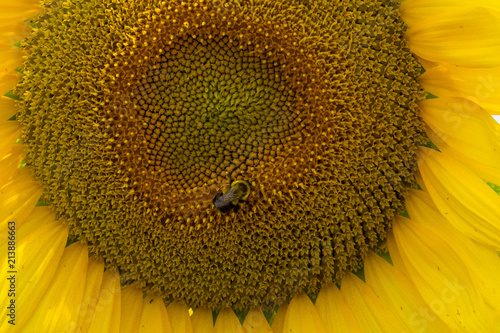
148	123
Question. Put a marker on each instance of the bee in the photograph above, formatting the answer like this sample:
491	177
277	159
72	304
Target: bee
229	198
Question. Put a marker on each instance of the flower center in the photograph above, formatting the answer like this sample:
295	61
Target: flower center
210	107
223	154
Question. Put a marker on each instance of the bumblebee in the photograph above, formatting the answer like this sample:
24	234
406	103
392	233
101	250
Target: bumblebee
239	190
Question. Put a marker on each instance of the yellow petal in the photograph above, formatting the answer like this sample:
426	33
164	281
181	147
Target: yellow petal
420	180
90	294
202	321
154	317
480	85
107	311
399	294
495	317
14	13
482	263
178	314
256	322
372	313
17	11
131	310
467	36
58	311
334	311
415	11
439	275
486	172
9	163
484	267
426	64
16	33
40	246
462	197
7	108
36	219
227	322
18	198
302	317
8	79
10	57
461	129
10	131
279	319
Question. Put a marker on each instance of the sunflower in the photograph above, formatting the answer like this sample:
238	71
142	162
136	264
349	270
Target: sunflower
250	166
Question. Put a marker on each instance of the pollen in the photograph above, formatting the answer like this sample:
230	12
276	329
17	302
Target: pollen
224	153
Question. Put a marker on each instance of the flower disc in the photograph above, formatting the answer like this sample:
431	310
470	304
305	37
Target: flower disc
146	121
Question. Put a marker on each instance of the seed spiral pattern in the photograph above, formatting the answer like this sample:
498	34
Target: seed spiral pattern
138	115
230	106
